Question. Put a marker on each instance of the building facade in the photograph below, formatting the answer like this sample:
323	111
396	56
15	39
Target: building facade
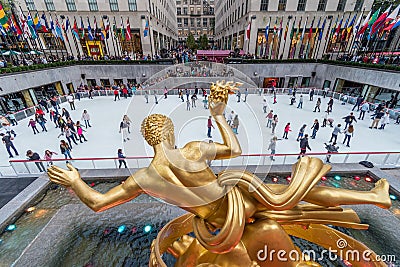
152	24
196	17
291	26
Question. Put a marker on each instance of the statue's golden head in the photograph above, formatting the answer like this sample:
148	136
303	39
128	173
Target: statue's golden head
157	128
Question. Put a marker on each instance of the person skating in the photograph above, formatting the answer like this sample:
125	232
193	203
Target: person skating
123	126
376	120
7	140
358	103
71	125
155	97
315	128
42	122
270	118
70	135
385	120
303	146
7	128
335	133
188	105
325	117
349	119
272	147
231	116
86	118
312	92
286	131
292	100
11	118
121	158
65	113
71	101
331	148
348	134
53	117
194	98
318	105
238	94
209	125
116	93
265	105
246	93
35	156
32	124
274	123
301	132
80	131
330	105
128	121
146	96
48	156
65	149
165	92
187	93
235	124
364	108
275	102
300	105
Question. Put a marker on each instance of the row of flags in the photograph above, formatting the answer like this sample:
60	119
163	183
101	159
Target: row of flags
375	24
29	26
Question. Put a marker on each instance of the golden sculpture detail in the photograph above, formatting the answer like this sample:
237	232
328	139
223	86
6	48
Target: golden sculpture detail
235	216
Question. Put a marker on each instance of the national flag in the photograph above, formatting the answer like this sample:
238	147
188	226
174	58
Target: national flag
3	17
52	27
82	29
14	26
94	28
24	25
90	34
379	23
372	21
339	26
146	29
321	32
344	30
43	23
75	30
357	25
102	31
329	30
297	33
36	21
393	15
107	28
311	28
292	31
286	30
122	30
2	31
247	36
364	25
304	29
275	29
58	30
128	30
393	25
67	24
280	29
114	28
31	27
266	32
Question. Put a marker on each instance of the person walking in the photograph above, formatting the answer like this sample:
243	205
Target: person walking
348	134
146	96
42	122
70	135
80	131
246	93
124	91
187	94
231	116
301	132
188	105
32	124
300	105
165	92
238	94
53	117
86	118
54	104
330	105
335	133
123	126
274	123
71	101
385	120
7	140
155	97
65	149
364	108
121	158
286	131
315	128
180	95
265	105
235	124
303	146
35	156
194	98
116	93
270	117
272	147
318	105
209	125
376	120
48	156
127	120
349	119
312	92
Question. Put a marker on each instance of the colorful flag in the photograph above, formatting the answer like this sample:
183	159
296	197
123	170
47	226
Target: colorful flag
107	28
292	31
286	30
3	17
14	26
364	25
95	28
393	15
114	28
67	24
379	23
53	29
43	23
122	30
75	30
393	25
2	31
90	34
266	32
36	21
31	27
128	30
321	32
304	29
311	28
247	35
82	29
58	30
357	25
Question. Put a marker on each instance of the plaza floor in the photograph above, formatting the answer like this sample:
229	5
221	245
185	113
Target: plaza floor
104	138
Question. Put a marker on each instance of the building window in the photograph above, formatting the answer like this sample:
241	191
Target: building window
30	5
93	5
132	5
205	24
302	5
178	11
198	22
359	5
264	5
321	5
185	22
185	11
114	5
179	20
70	5
341	5
49	5
282	5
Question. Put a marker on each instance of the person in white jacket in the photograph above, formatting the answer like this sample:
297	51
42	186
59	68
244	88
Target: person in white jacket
385	120
86	118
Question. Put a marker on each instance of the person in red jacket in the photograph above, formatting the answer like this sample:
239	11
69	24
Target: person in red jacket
116	94
286	130
125	92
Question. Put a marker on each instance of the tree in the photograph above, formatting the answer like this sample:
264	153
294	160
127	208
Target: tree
203	42
191	42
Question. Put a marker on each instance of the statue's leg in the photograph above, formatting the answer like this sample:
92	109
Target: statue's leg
269	245
331	197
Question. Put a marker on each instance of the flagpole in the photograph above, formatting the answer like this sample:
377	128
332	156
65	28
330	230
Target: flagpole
329	35
105	37
23	35
112	36
32	40
278	54
66	36
78	52
291	37
116	37
284	37
318	43
38	37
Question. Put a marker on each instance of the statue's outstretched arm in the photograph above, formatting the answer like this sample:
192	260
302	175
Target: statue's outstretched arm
93	199
230	148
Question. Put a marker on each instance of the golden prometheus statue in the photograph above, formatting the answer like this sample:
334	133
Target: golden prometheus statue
235	217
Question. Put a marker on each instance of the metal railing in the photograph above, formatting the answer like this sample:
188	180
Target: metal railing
379	159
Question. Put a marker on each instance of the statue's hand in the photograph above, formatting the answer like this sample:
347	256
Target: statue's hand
217	108
62	176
